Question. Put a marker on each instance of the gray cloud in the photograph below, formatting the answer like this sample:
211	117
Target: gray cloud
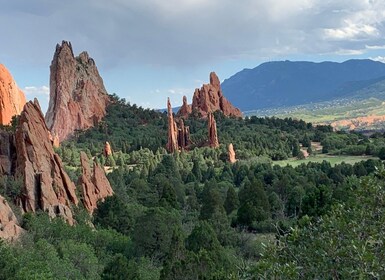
185	33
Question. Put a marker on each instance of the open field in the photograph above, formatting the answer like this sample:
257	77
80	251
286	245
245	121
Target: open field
320	158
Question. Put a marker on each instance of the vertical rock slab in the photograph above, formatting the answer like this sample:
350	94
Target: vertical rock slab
12	99
78	98
172	139
47	186
94	184
212	130
107	151
231	153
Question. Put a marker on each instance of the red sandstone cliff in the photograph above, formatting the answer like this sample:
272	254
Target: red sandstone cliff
78	98
209	99
47	186
12	99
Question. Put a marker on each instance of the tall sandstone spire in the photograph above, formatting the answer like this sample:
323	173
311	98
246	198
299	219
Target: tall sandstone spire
172	140
78	98
12	99
208	99
212	129
178	137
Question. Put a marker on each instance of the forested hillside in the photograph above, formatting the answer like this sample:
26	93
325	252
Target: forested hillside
194	215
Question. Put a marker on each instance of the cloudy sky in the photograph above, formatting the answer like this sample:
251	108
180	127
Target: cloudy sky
147	50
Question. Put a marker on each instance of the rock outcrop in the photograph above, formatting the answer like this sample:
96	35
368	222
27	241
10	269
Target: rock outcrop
231	153
183	135
172	139
212	129
78	99
94	184
178	137
185	110
107	151
12	99
209	99
9	226
47	186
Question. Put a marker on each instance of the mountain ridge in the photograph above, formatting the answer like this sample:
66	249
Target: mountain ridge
286	83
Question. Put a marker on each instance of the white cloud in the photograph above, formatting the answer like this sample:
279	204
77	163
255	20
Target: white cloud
349	52
185	33
180	91
352	31
378	58
382	47
36	91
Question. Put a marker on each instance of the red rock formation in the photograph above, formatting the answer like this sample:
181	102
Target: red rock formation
210	98
212	128
47	186
172	140
107	149
183	135
95	185
9	226
178	137
185	110
231	153
12	99
78	98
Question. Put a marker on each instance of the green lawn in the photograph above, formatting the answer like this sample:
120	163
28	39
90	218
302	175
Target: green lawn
319	158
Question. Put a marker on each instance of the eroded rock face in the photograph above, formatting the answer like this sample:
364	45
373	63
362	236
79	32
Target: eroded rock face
209	99
47	186
94	184
12	99
9	226
212	129
185	110
231	153
78	99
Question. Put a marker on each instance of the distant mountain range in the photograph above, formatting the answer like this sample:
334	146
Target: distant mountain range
288	83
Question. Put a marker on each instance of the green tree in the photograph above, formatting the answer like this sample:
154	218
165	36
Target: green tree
254	205
232	201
